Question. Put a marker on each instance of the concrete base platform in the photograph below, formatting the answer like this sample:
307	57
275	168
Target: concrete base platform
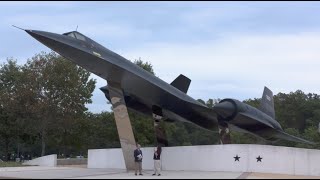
35	172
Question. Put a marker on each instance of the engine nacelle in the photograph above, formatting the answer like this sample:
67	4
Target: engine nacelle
227	110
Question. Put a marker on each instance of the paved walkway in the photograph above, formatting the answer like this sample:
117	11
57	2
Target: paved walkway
34	172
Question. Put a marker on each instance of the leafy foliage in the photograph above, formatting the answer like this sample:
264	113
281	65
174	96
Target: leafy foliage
42	111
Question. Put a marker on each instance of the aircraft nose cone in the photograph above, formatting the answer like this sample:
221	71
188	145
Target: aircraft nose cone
31	32
36	34
51	40
224	109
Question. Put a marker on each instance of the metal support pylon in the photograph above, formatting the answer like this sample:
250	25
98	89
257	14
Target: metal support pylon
160	132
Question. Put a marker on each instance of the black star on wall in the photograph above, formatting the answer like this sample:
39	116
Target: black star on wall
236	158
259	159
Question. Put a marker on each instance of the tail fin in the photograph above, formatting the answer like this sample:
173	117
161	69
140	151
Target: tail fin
267	104
182	83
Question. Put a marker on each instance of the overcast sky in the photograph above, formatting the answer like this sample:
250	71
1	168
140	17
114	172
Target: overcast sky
227	49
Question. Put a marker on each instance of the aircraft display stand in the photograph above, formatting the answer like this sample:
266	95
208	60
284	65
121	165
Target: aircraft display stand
127	140
224	135
159	131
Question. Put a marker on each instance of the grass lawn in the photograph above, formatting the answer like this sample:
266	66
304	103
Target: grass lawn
11	164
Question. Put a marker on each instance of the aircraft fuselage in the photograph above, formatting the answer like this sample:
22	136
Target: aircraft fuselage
145	92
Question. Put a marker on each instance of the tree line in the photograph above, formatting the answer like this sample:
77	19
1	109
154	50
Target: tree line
42	111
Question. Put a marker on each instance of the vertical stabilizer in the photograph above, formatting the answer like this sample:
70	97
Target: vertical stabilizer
182	83
267	104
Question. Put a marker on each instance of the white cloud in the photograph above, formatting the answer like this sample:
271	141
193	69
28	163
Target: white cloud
218	12
87	23
282	62
236	65
213	16
24	4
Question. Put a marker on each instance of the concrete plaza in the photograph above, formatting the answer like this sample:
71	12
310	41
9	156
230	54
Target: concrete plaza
81	172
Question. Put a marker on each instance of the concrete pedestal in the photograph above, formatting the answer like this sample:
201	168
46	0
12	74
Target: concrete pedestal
226	158
127	140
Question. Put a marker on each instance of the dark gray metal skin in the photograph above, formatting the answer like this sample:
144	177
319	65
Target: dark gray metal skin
244	118
144	91
136	83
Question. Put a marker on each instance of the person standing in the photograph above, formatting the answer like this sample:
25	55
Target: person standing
138	160
157	161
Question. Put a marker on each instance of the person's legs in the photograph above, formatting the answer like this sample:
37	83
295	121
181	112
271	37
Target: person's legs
154	167
140	168
136	167
158	166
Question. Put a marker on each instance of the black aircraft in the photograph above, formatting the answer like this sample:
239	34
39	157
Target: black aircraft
147	94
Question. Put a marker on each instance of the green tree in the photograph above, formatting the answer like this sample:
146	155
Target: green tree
144	65
61	90
11	111
42	110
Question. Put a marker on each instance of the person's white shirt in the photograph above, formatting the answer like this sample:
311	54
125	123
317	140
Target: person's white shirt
139	156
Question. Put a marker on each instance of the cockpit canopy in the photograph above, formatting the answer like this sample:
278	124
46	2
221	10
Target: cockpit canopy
76	35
